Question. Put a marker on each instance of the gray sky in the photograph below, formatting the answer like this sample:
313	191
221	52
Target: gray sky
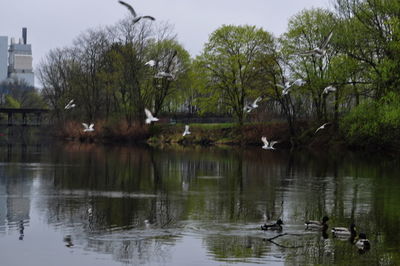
55	23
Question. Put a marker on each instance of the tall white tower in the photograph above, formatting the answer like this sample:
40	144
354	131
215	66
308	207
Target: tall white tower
20	60
3	57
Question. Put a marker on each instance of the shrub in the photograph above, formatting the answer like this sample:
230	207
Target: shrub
374	123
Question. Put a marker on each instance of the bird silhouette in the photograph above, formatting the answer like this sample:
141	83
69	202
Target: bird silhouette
136	18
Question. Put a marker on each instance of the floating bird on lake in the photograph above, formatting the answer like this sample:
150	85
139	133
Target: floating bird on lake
329	89
322	127
343	232
317	225
363	243
319	51
186	132
150	63
136	18
149	117
88	128
275	226
268	145
68	240
70	105
249	107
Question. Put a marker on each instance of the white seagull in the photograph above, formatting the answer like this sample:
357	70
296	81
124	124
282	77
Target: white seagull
287	87
70	105
150	63
136	18
319	51
329	89
249	107
88	128
186	132
149	117
321	127
268	145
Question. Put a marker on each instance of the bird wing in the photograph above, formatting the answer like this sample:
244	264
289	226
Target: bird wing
272	143
264	140
151	63
149	17
257	100
91	126
325	43
299	82
148	113
186	128
129	7
85	125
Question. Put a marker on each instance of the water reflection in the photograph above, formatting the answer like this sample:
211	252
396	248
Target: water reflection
150	206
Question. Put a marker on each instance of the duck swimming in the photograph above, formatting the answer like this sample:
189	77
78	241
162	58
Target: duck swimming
275	226
363	243
344	232
317	225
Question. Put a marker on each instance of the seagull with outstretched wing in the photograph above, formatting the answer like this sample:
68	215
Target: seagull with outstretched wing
136	18
149	116
321	50
329	89
322	127
87	128
249	107
186	132
268	145
70	105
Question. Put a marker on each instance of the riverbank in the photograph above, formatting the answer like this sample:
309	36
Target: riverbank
207	134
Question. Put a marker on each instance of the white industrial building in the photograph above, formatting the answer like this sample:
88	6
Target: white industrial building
16	60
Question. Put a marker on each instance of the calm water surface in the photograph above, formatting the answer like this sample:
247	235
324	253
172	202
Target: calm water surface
74	204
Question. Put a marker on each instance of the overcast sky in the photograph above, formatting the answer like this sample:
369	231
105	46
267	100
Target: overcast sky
55	23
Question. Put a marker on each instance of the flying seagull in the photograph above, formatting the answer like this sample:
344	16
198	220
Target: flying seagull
70	105
249	107
329	89
322	127
287	87
136	18
186	132
150	63
268	145
319	51
149	117
88	128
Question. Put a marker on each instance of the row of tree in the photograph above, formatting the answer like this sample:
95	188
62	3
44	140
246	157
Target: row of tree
106	71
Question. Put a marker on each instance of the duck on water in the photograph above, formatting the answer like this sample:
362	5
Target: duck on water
317	225
275	226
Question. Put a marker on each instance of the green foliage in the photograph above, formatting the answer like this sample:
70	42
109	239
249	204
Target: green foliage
229	67
374	122
10	102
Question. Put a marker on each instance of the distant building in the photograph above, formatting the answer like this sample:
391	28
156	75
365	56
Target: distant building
19	65
3	57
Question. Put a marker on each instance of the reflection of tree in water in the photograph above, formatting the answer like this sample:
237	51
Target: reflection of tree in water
127	187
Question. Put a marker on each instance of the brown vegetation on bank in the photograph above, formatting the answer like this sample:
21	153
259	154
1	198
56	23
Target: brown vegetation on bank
104	132
203	134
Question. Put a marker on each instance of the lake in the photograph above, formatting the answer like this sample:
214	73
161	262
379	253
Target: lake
87	204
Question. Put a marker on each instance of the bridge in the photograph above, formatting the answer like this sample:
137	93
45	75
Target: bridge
30	116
